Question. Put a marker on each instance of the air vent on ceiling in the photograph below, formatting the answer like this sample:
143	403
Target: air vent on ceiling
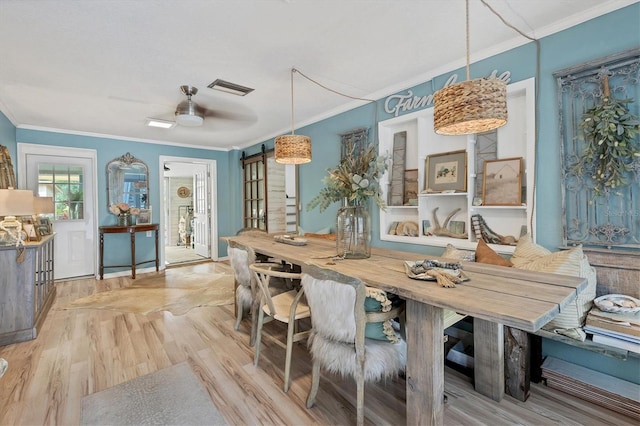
228	87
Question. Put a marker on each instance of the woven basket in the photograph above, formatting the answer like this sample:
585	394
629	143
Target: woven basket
293	149
473	106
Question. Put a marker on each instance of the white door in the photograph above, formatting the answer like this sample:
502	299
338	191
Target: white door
68	175
200	211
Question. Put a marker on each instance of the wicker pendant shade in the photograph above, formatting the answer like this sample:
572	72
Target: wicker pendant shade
473	106
292	149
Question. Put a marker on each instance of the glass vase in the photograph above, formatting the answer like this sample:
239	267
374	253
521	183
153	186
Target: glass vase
125	219
353	232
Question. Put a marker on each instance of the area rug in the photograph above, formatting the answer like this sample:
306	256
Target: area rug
171	291
173	396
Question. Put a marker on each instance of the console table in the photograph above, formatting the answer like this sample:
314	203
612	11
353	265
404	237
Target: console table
26	290
132	230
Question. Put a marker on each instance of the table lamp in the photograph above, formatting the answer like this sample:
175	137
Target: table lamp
15	202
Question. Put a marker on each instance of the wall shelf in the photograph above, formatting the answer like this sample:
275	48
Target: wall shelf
515	139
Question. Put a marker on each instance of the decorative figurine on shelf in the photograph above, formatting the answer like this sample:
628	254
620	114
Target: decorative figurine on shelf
443	231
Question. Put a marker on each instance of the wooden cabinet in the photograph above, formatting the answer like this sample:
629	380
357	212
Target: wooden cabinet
26	290
514	140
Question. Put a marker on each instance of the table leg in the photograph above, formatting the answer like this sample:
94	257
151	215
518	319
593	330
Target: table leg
157	260
133	255
488	354
425	364
101	255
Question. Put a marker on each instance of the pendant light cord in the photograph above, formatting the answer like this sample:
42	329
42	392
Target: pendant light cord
467	28
291	78
537	102
375	111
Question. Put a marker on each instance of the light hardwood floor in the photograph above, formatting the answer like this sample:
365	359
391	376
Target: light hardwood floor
82	351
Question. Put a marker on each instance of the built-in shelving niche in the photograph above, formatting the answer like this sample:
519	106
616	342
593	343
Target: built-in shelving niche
515	139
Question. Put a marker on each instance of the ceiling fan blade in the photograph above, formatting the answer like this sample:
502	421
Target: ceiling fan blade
229	115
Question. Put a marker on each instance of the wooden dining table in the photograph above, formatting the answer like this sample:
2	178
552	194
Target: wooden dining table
494	296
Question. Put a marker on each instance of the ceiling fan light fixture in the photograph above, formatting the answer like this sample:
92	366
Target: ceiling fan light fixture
472	106
188	114
163	124
228	87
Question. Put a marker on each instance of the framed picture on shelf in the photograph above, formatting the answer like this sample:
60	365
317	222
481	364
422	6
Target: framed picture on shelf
410	197
32	231
502	184
144	217
44	226
446	171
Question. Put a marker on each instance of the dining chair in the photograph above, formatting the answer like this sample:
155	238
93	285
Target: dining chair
246	292
288	307
338	343
4	365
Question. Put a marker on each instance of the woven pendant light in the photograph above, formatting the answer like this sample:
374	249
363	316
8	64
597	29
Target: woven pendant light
473	106
292	149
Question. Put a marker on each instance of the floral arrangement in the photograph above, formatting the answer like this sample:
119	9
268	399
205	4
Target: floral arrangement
356	179
123	208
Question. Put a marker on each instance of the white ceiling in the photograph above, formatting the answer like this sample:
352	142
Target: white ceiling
104	66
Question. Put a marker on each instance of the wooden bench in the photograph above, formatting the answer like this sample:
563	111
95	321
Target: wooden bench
618	272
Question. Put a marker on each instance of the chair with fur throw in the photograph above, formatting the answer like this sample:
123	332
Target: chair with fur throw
337	342
246	290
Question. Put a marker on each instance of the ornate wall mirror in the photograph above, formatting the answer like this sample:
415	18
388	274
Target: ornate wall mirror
128	182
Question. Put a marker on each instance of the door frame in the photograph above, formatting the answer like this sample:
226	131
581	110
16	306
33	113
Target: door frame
212	198
25	149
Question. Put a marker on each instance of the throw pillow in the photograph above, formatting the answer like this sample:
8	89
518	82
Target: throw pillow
377	301
571	262
526	251
450	252
485	254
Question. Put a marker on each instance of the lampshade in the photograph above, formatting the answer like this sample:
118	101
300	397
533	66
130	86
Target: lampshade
292	149
16	202
473	106
43	205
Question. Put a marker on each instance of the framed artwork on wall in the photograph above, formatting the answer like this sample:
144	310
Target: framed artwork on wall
446	171
502	182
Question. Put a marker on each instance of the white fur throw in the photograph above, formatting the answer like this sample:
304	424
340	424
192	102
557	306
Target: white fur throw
334	331
240	264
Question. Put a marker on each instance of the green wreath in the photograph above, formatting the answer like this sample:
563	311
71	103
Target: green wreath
611	149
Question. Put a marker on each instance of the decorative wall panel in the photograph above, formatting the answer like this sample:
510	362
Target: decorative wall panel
610	217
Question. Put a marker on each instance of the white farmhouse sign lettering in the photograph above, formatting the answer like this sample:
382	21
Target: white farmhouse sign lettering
395	104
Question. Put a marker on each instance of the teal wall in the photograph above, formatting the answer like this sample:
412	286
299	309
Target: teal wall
107	149
611	33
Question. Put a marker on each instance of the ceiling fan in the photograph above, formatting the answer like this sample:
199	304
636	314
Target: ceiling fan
188	113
